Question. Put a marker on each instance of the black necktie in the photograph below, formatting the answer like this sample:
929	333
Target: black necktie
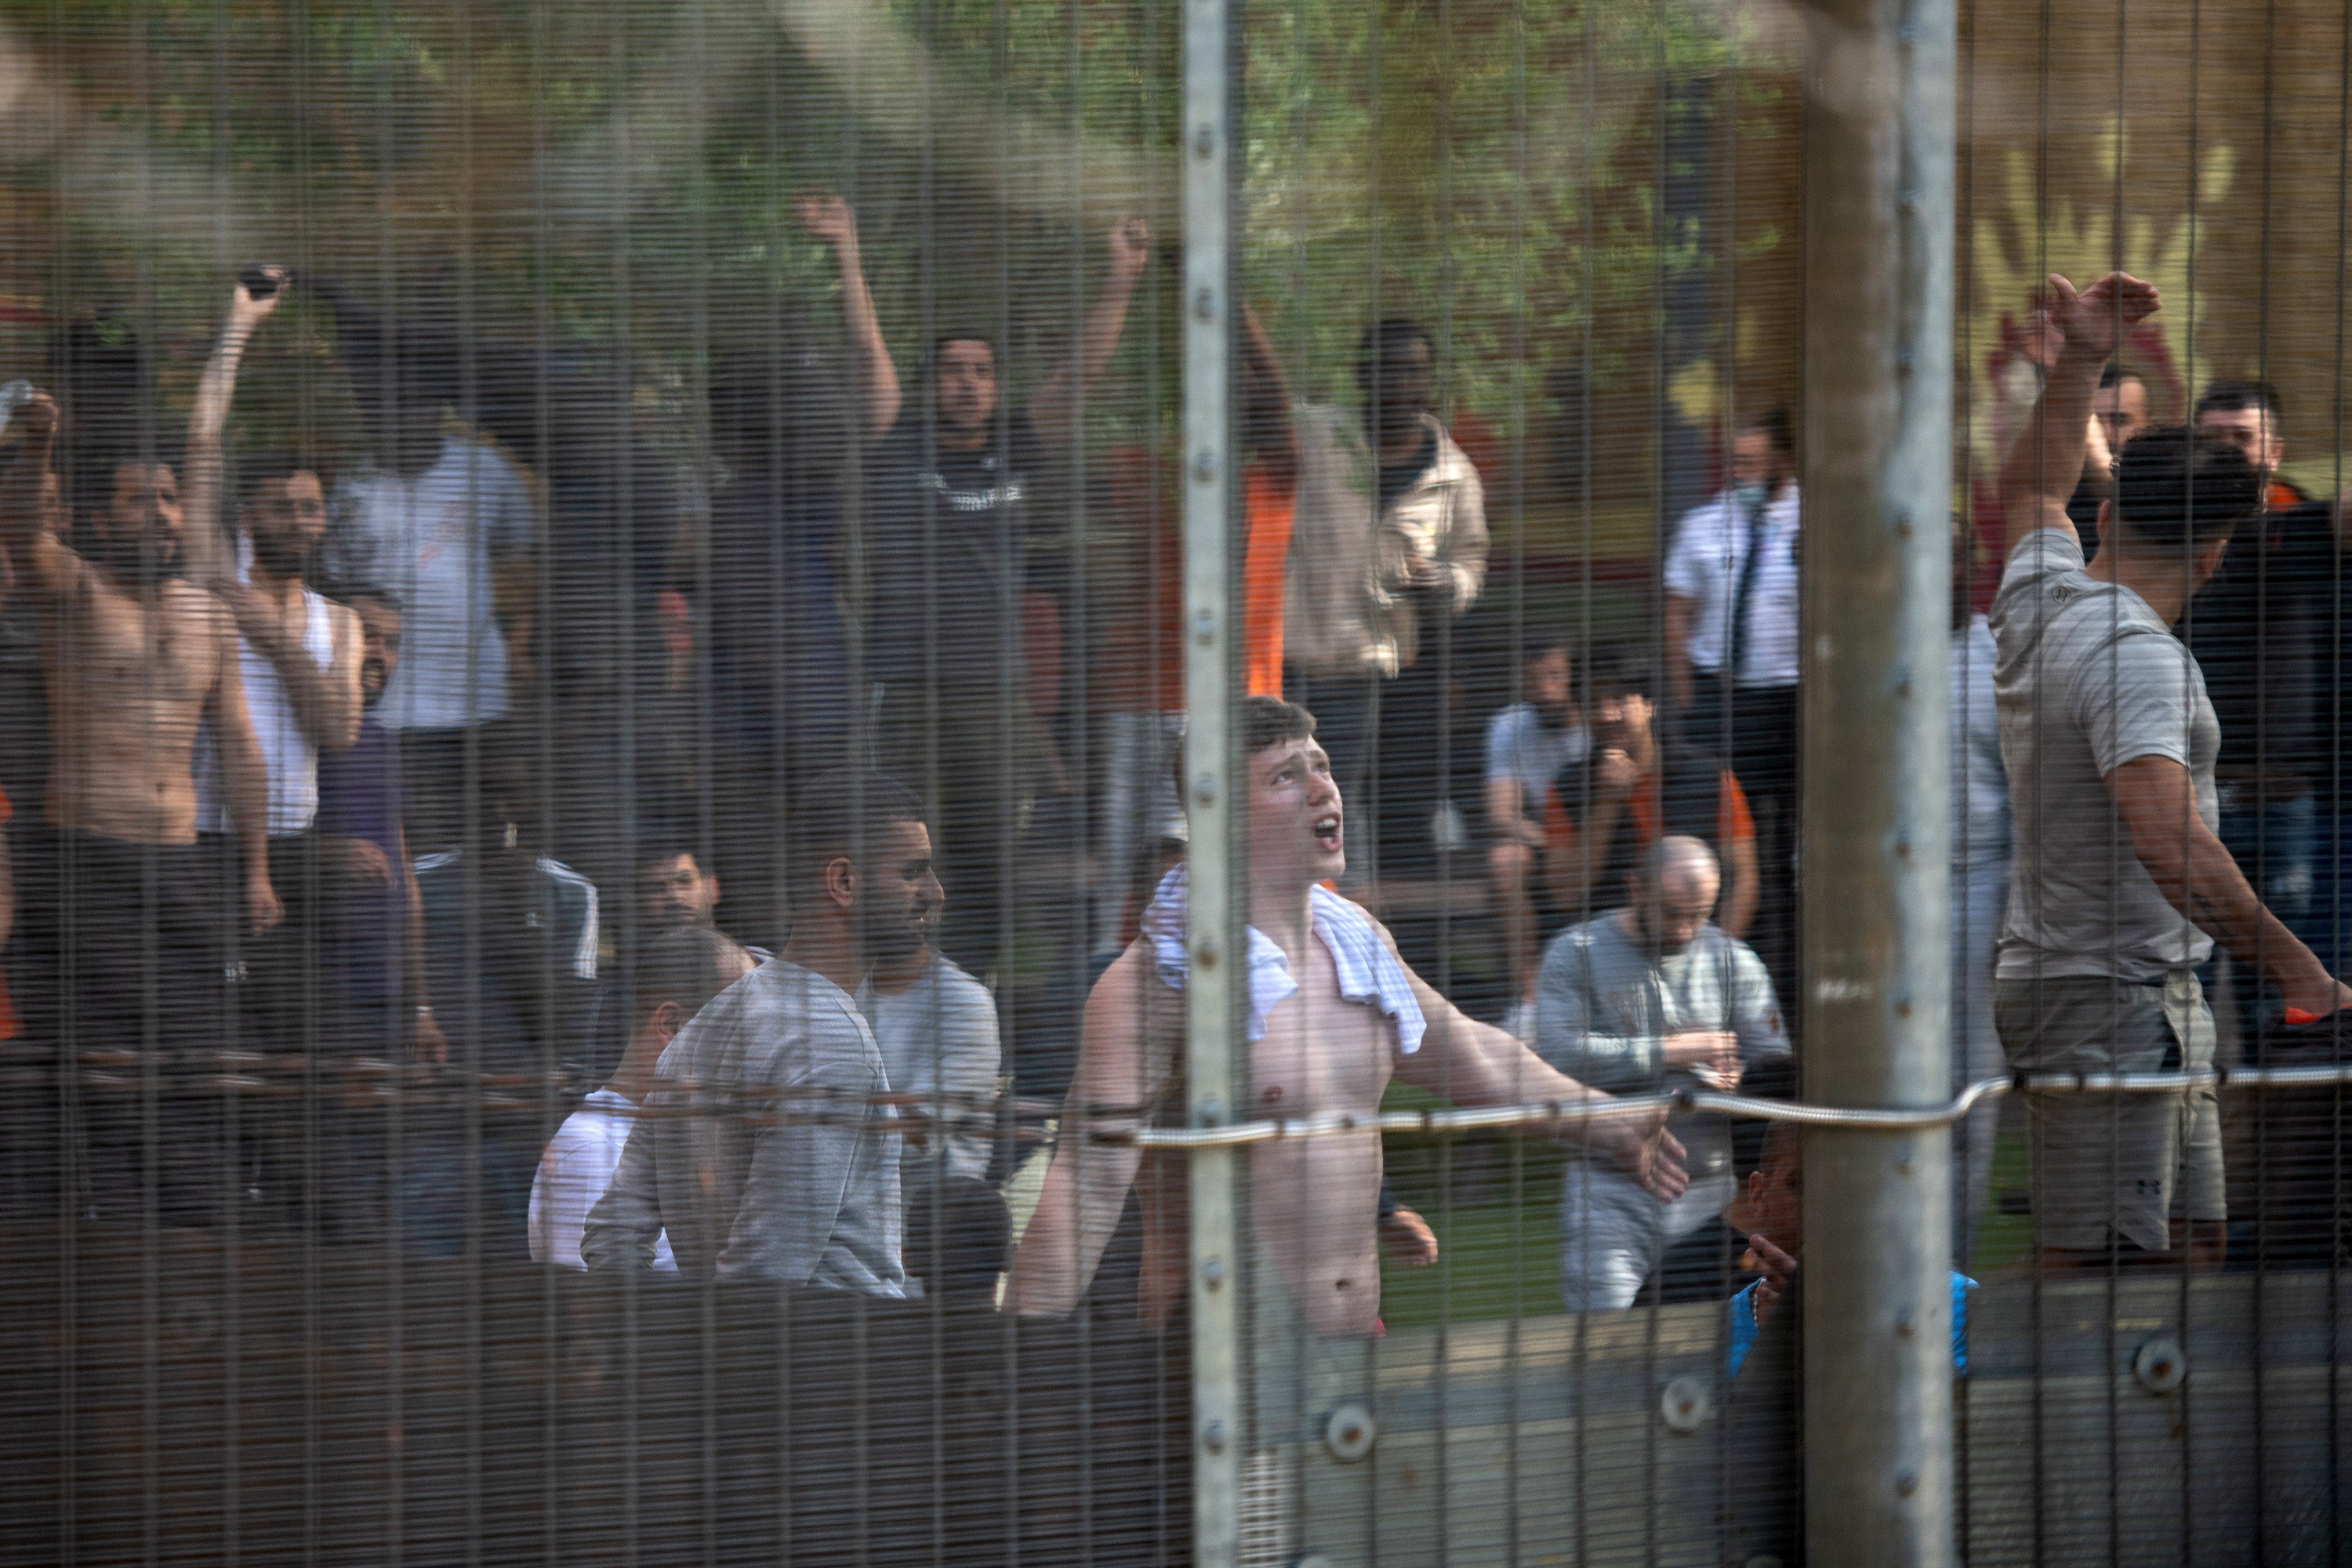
1737	643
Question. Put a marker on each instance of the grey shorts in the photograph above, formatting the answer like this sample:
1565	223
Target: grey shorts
2116	1163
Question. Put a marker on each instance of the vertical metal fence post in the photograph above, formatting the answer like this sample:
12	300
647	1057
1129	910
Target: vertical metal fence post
1210	997
1878	500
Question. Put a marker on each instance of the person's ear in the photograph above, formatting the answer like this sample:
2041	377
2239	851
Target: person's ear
2106	520
2208	557
666	1020
841	882
714	890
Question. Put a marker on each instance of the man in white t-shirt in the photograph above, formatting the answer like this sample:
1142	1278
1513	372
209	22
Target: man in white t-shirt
679	970
448	526
1733	599
1530	744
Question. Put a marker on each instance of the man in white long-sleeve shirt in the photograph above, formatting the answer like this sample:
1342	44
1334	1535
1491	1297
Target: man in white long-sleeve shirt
773	1160
1632	1003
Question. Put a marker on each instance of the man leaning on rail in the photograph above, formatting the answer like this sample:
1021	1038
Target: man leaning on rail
1333	1012
2121	885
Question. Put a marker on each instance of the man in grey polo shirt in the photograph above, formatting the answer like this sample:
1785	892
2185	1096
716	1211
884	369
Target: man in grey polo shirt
2120	885
1648	997
730	1162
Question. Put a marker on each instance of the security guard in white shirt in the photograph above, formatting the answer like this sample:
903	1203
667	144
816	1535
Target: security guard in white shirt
1732	605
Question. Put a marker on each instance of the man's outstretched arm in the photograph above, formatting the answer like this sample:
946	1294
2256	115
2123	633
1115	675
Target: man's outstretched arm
2199	877
1476	1064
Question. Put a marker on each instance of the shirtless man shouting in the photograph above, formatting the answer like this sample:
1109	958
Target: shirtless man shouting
137	658
1334	1011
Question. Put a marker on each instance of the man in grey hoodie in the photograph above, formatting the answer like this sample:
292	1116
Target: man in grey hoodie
1645	998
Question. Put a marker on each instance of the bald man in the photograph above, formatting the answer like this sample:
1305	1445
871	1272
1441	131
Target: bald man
1652	996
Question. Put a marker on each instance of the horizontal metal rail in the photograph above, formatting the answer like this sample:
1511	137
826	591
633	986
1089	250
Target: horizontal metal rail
367	1080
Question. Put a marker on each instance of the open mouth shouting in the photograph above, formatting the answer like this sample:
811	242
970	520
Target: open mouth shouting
1328	831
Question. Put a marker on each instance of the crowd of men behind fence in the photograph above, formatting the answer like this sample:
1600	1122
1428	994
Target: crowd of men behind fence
778	911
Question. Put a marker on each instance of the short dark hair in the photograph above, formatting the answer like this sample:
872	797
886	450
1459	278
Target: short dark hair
1622	670
350	592
960	335
2235	398
664	842
685	964
269	466
1775	426
1386	337
2176	489
101	450
1264	721
836	814
2118	373
1542	642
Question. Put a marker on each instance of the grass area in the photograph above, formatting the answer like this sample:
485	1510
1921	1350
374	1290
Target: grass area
1497	1257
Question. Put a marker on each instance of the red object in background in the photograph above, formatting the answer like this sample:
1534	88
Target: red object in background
1041	643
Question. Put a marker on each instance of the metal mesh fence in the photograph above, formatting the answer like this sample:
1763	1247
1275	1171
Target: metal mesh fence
1007	782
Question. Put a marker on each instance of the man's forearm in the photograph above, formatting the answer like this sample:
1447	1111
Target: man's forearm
2045	463
209	561
20	499
879	391
2206	886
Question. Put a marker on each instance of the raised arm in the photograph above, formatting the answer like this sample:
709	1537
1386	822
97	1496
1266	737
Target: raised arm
1086	1185
2198	875
832	220
1055	408
35	557
245	776
1266	403
2045	464
211	559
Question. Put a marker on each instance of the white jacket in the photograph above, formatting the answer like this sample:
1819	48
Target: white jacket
1346	608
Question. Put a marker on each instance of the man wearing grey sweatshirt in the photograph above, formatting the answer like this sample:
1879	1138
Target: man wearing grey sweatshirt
1647	998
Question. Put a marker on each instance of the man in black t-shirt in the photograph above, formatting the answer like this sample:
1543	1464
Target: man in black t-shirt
1637	782
951	503
2255	630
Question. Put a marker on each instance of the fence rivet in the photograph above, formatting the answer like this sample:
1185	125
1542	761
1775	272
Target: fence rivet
1204	141
1204	627
1204	466
1686	1404
2162	1364
1205	304
1906	1484
1349	1433
1213	1273
1212	1436
1904	1324
1204	789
